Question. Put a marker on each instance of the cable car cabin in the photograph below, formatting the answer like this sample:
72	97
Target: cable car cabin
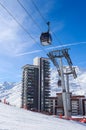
59	83
46	39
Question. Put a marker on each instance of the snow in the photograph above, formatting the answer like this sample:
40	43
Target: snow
12	118
11	92
77	86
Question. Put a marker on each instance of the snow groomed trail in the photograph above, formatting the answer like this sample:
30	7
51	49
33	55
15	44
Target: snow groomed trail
12	118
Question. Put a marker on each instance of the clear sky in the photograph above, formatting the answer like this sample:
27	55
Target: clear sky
17	48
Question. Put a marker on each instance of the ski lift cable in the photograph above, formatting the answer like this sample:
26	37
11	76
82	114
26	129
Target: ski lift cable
29	14
38	11
49	35
15	20
25	30
43	18
45	38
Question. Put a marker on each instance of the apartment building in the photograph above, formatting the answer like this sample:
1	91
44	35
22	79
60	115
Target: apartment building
84	106
78	104
30	81
36	85
44	83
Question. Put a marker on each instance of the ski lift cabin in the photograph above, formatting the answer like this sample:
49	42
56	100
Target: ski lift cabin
59	83
46	39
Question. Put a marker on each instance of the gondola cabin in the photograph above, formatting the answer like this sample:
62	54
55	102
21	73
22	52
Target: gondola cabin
59	83
46	39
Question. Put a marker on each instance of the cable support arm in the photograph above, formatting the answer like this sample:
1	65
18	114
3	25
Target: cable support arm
54	62
67	57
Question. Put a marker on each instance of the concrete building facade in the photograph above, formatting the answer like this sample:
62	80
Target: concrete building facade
44	83
30	87
36	85
78	105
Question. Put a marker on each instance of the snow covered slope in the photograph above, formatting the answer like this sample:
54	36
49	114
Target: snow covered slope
77	86
11	92
12	118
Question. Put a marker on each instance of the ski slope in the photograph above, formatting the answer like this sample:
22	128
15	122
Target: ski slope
12	118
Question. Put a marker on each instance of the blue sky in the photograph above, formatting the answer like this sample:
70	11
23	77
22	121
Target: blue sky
68	23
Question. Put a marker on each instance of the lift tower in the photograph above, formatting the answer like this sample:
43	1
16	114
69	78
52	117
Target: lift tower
67	73
56	56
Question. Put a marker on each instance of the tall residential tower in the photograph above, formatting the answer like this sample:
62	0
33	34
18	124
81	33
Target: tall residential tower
30	87
44	83
36	85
